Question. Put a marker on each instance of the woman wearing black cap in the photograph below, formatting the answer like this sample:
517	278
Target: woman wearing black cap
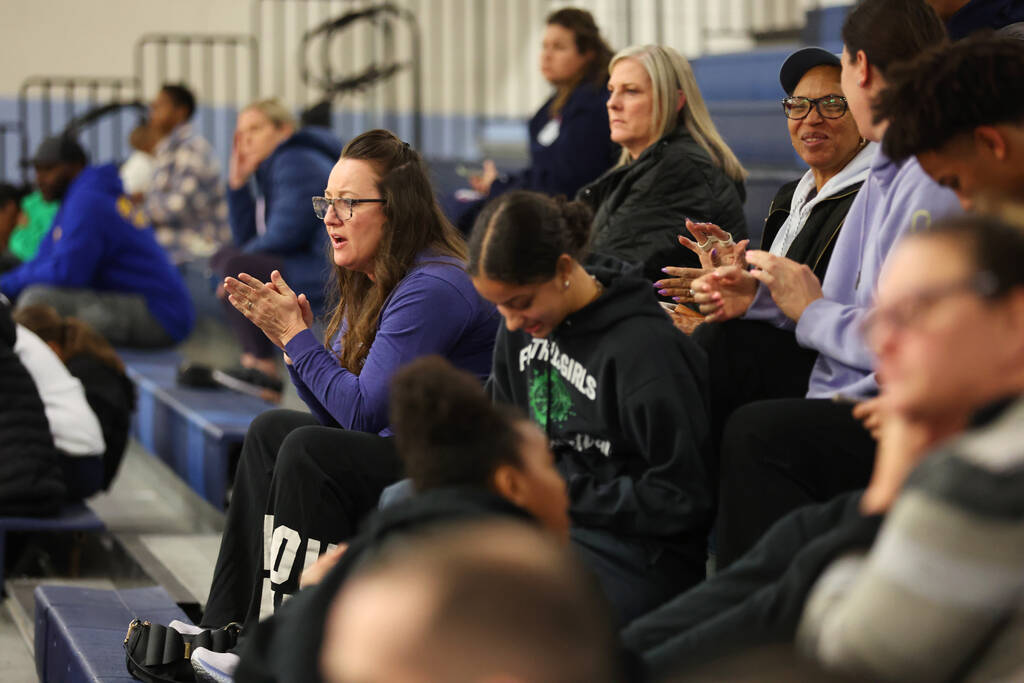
803	223
806	215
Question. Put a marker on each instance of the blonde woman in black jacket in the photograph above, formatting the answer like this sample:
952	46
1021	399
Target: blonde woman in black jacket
674	164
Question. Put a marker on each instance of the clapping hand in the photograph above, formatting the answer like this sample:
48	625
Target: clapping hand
273	306
724	293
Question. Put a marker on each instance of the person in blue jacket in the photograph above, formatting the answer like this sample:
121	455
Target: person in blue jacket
569	140
274	170
100	261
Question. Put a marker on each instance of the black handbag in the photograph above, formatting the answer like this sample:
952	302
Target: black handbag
158	654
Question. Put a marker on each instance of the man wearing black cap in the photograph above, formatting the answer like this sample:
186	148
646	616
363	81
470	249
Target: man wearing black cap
99	261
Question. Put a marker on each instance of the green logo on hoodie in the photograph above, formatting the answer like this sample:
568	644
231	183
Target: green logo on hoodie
549	398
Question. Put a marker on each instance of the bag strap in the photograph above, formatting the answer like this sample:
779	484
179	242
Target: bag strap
156	650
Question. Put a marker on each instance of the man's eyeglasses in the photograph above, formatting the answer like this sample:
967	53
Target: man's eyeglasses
320	205
829	106
911	311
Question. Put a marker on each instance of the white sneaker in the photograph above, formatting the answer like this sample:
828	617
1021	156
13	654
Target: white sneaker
214	667
184	629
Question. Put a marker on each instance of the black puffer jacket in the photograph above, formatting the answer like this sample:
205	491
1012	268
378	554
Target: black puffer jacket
31	479
641	207
814	243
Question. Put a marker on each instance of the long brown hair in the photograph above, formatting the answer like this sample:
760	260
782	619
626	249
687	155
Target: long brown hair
74	337
588	38
414	223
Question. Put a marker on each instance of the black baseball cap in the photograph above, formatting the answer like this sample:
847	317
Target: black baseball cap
802	61
58	149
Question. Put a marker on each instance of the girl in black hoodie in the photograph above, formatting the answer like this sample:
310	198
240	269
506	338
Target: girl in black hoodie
620	393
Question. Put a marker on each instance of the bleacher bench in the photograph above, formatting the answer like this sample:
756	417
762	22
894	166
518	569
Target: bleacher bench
193	430
72	517
79	632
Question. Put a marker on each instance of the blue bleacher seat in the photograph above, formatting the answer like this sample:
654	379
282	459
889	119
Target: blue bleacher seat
79	632
193	430
72	517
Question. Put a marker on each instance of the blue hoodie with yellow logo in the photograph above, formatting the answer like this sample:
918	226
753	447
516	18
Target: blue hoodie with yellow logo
99	241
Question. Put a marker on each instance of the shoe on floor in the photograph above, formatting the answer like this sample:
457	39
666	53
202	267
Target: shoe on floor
250	381
197	376
214	667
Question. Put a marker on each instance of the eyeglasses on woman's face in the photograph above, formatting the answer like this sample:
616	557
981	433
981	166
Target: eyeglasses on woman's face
344	207
829	106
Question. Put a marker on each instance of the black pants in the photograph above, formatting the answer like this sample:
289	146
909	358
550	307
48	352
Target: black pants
232	261
780	455
301	488
759	599
750	361
634	579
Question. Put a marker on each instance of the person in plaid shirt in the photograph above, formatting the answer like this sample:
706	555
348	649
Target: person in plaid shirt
185	201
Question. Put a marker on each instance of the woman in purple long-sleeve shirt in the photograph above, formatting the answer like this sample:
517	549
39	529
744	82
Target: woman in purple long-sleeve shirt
305	480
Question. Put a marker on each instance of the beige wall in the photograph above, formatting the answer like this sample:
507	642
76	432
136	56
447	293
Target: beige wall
479	55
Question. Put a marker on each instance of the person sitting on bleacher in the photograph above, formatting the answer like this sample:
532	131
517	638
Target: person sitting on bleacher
275	169
10	216
944	576
25	217
569	144
620	393
776	452
500	602
805	216
674	164
74	427
937	597
31	476
185	200
467	458
305	481
90	358
966	130
100	261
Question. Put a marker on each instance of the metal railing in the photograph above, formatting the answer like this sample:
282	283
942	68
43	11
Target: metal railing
60	100
315	39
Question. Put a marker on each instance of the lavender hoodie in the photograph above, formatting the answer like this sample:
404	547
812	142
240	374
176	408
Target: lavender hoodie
895	198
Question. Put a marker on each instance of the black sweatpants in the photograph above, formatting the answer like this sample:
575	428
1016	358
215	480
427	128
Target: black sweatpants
749	361
301	489
231	260
635	579
780	455
759	599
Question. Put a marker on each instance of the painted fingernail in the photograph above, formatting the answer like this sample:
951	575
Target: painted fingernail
714	253
664	270
662	292
677	299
